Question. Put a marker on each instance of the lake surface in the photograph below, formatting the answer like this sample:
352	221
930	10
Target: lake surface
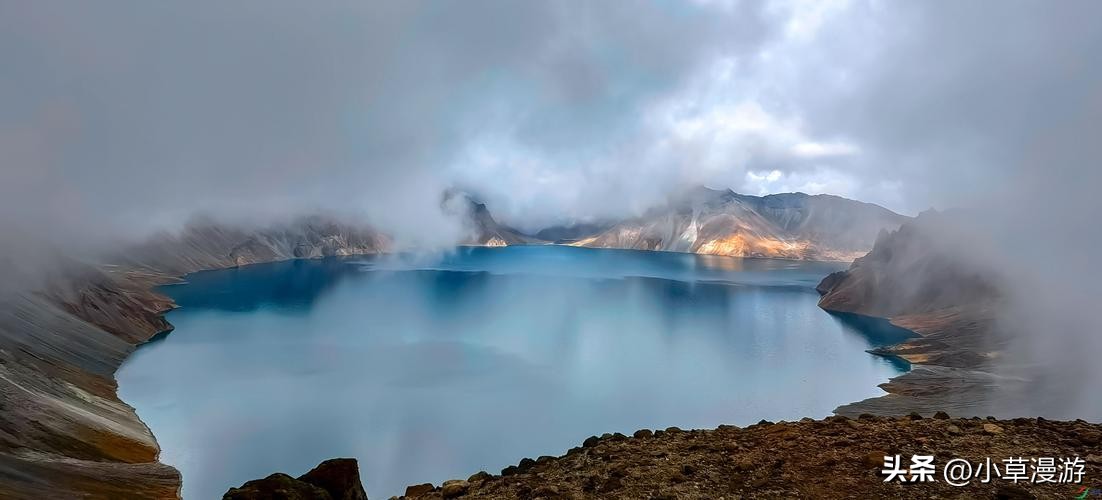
428	368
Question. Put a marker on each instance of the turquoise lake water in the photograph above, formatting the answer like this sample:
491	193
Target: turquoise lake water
428	368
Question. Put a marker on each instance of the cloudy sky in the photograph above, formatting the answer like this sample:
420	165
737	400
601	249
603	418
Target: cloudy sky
126	116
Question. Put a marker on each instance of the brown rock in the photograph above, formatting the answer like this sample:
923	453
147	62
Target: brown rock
1090	438
277	485
875	458
454	488
340	477
336	479
952	429
992	429
545	491
417	490
1013	492
611	484
525	465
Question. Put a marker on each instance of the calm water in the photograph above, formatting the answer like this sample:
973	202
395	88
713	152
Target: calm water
427	369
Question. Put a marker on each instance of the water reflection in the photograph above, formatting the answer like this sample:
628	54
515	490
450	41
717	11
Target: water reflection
292	285
877	332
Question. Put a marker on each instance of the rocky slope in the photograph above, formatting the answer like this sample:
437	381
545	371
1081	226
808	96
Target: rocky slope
919	278
573	232
479	224
788	226
833	458
63	431
489	232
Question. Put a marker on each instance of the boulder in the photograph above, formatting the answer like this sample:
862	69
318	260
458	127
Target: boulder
479	477
277	485
339	476
336	479
416	490
992	429
454	488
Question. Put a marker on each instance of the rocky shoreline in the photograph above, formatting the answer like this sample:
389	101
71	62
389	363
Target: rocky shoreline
65	434
912	280
836	457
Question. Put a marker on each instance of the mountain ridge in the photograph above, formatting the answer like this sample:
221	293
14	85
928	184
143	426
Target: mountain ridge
64	431
784	225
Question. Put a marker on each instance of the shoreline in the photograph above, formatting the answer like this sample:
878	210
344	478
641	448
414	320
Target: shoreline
121	301
925	388
182	279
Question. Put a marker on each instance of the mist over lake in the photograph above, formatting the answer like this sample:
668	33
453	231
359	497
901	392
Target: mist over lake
431	367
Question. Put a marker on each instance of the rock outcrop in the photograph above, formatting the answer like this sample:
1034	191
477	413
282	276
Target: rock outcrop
923	278
481	227
489	232
63	431
787	226
334	479
837	457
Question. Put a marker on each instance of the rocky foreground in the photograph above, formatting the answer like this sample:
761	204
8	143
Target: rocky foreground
837	457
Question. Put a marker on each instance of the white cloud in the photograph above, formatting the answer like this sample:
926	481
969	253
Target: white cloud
813	149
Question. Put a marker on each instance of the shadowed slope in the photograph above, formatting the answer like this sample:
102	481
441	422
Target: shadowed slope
63	431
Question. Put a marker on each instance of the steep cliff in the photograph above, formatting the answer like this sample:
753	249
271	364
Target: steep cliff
788	226
489	232
63	431
924	278
481	227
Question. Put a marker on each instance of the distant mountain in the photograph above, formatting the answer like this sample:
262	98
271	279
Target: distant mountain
483	229
722	222
206	244
569	233
921	278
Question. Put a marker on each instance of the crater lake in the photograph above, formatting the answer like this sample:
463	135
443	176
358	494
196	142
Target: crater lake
427	368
